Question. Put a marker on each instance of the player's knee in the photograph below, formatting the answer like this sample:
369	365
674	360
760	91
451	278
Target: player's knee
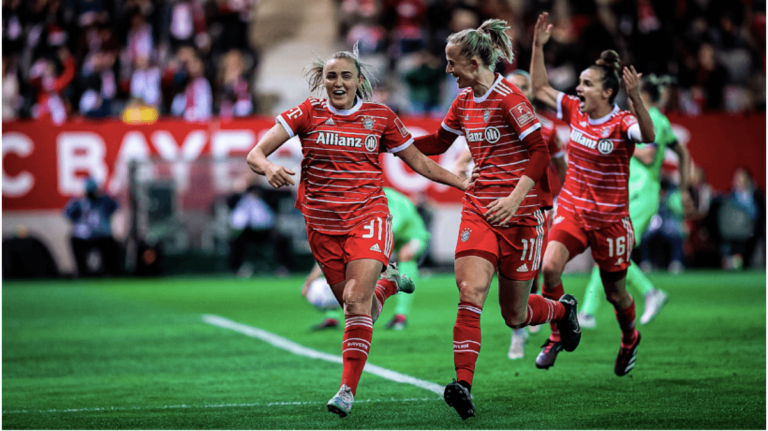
514	319
551	273
471	292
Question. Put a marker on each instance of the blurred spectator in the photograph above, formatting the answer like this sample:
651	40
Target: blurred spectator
232	21
254	224
50	83
95	250
140	41
424	80
11	94
235	96
665	232
404	20
99	83
145	82
196	103
187	25
700	248
741	220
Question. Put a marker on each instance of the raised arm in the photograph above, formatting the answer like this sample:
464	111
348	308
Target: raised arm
632	84
429	169
539	80
277	175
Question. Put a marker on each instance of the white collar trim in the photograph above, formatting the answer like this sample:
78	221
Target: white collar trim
487	93
602	120
350	111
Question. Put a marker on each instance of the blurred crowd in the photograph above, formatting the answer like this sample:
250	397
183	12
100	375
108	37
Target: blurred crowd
193	58
132	58
714	48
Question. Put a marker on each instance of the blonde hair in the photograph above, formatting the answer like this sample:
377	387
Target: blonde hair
314	74
488	42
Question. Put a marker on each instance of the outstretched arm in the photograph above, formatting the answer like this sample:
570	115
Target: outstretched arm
429	169
539	80
277	176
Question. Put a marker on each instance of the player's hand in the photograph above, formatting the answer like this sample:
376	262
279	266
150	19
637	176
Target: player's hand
278	176
465	183
475	173
542	31
632	82
502	210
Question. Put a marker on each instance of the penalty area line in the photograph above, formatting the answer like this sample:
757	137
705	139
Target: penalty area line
298	349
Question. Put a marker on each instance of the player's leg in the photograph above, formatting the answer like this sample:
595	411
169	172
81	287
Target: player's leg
566	239
592	297
473	278
404	302
641	210
611	248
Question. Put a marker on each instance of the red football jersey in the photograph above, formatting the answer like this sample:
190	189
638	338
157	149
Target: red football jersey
549	133
495	127
596	183
341	179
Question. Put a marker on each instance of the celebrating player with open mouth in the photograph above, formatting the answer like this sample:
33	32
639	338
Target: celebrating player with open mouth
502	221
340	194
593	205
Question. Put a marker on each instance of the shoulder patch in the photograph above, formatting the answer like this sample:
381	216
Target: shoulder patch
629	120
522	114
401	127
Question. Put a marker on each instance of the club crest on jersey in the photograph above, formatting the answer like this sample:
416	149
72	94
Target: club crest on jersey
465	234
368	123
606	132
371	143
605	146
486	115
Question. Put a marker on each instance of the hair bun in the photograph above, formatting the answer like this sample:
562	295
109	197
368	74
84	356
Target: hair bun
610	59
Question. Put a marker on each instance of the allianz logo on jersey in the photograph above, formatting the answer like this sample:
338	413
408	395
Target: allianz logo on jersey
604	146
331	138
490	134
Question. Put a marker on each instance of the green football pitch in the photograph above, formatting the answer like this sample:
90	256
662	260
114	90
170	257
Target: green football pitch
226	353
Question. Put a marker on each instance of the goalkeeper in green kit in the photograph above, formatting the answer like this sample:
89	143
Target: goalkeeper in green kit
644	188
411	239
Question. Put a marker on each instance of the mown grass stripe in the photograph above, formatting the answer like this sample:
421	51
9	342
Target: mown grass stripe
298	349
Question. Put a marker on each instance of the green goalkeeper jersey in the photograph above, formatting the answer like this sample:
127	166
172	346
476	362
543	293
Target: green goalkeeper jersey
406	221
641	174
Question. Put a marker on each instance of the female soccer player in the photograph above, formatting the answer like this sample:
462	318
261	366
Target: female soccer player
593	205
644	188
340	194
502	222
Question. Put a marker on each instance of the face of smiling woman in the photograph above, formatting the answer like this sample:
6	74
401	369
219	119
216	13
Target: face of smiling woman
459	67
341	82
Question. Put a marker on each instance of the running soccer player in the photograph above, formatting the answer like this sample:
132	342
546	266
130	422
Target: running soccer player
556	174
644	189
593	205
349	226
411	239
502	221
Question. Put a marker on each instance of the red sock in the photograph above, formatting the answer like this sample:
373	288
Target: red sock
626	318
543	310
358	332
554	293
384	289
466	340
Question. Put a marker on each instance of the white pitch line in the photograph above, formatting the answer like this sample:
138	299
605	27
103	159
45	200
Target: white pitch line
298	349
207	406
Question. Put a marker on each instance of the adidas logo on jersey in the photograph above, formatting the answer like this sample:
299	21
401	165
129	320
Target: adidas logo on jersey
523	268
375	247
330	138
330	122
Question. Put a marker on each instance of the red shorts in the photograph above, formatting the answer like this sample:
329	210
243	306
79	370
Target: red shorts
611	245
515	250
370	239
